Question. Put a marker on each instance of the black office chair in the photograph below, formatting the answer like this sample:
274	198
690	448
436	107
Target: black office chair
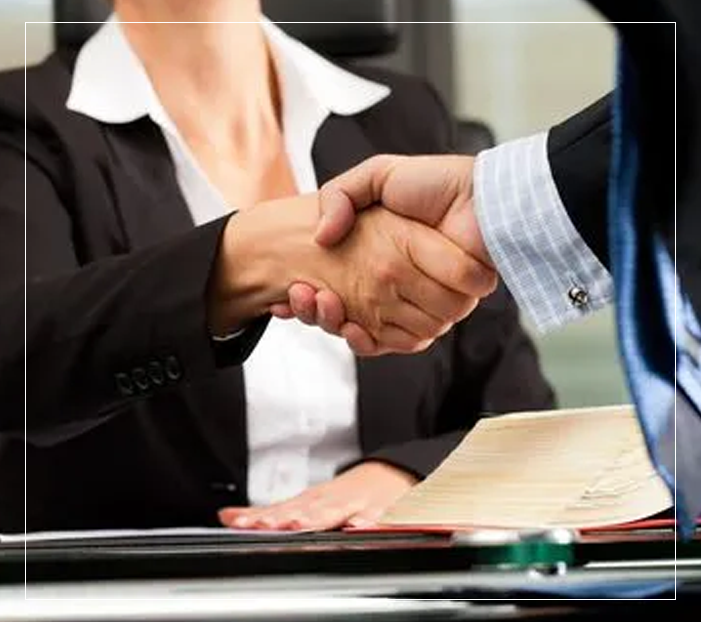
473	136
351	28
339	29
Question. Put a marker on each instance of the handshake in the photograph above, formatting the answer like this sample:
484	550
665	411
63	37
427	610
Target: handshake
388	256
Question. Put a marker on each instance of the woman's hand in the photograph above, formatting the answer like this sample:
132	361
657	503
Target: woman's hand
357	498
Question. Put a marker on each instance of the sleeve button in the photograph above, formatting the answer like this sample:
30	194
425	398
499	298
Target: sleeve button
156	373
138	375
173	370
124	384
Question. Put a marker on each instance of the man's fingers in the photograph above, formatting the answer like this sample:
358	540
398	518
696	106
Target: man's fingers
445	305
359	340
391	339
396	339
415	321
343	196
449	265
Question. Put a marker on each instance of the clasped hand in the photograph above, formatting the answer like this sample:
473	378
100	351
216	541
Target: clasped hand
439	269
396	260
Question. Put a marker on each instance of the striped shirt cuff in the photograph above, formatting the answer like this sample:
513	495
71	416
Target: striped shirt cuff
545	263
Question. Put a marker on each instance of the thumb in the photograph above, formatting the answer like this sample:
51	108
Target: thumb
337	217
343	196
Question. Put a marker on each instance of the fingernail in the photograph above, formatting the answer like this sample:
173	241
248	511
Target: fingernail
240	521
264	523
297	523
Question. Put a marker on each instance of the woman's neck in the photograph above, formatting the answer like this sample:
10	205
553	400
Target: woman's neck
210	70
189	11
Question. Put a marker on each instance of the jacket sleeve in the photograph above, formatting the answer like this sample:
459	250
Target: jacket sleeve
579	152
87	339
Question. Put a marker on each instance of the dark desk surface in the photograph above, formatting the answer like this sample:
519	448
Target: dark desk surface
333	553
200	571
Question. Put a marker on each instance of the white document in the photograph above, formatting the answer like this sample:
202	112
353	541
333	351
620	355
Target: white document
571	468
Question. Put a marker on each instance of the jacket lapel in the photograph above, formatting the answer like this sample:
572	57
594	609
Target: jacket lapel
149	198
160	212
137	165
340	144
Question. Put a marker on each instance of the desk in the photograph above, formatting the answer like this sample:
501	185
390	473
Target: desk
374	576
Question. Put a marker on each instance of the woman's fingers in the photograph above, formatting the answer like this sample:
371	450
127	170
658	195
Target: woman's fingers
282	311
331	313
302	299
297	514
366	518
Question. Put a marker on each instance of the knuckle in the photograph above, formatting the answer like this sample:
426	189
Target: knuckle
492	282
327	188
466	306
413	345
430	329
386	273
463	274
483	281
298	521
445	328
421	346
380	161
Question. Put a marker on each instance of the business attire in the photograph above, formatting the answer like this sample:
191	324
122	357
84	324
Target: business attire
135	416
584	215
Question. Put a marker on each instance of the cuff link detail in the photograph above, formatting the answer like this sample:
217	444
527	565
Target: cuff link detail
579	297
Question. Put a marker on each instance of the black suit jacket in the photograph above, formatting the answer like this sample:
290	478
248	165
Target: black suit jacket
133	419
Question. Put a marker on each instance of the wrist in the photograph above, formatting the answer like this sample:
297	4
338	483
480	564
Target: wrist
478	246
256	261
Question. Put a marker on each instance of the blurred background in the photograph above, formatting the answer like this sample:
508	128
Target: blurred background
516	78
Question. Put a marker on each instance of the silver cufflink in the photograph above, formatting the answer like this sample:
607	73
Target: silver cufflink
578	296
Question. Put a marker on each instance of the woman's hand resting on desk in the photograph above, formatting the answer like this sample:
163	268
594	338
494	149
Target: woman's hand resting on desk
357	498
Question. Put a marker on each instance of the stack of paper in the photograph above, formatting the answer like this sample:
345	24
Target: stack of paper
577	468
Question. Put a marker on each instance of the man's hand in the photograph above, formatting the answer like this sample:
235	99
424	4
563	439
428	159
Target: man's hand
401	280
435	190
357	498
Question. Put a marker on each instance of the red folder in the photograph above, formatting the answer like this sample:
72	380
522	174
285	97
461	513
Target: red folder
640	525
